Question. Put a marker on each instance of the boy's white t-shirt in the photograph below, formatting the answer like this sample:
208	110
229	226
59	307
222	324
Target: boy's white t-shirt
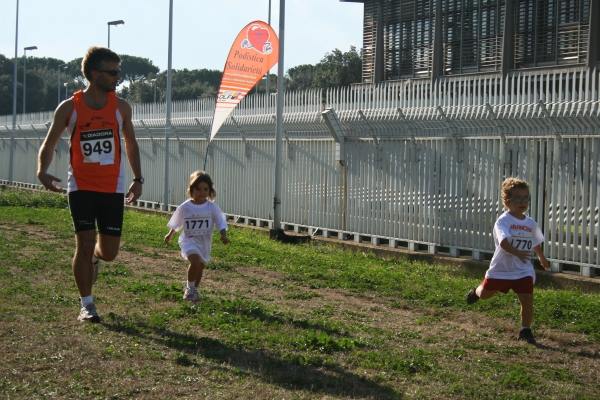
198	222
523	234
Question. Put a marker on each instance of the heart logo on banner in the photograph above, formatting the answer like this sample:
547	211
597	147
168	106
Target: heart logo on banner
258	37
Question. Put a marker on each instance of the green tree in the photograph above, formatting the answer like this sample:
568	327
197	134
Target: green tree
301	77
185	84
334	70
42	85
339	69
135	68
6	90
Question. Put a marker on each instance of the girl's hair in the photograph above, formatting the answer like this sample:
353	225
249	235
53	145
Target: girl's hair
512	183
201	176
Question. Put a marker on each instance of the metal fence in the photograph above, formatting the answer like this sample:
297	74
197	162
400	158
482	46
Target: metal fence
410	164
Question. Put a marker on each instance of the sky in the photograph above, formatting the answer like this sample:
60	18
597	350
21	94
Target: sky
203	30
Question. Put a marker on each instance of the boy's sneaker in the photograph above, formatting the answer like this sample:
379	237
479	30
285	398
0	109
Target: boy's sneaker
89	313
96	264
472	296
526	336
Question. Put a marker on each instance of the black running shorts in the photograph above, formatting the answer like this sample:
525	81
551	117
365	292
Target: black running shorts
106	209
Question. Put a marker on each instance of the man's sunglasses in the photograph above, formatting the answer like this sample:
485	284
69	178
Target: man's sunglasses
520	199
111	72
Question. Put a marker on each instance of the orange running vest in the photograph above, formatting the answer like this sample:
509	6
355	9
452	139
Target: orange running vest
95	161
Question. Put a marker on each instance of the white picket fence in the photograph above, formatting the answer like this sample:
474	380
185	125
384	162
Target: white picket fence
416	165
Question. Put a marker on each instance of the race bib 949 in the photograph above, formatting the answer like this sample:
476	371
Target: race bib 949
98	146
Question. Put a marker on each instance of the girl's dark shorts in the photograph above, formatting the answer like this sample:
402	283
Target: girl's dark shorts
106	209
523	285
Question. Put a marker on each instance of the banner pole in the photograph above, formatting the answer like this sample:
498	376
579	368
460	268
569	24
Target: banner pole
168	119
267	81
205	157
278	135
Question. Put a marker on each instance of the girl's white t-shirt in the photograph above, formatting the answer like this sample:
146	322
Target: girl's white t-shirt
198	222
523	234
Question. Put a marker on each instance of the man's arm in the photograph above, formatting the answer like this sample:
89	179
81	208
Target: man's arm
132	150
46	154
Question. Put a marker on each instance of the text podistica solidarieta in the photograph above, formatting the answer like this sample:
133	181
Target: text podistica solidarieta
240	66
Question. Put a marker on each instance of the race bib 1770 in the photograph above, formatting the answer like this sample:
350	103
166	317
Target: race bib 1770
522	237
197	225
98	146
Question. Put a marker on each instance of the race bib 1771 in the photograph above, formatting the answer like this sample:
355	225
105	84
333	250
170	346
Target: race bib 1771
197	225
98	146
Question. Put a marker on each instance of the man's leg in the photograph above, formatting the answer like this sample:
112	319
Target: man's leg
82	262
107	247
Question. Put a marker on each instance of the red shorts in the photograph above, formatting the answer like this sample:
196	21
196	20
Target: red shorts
523	285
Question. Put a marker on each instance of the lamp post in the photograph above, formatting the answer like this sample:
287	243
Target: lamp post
14	116
115	23
154	84
59	67
25	71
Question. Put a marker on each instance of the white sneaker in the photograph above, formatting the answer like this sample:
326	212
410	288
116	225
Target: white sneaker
89	313
190	294
96	264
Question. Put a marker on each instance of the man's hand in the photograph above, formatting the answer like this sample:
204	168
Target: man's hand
47	180
134	193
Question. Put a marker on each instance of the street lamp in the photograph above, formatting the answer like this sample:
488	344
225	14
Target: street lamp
66	84
59	67
14	115
25	71
115	23
154	84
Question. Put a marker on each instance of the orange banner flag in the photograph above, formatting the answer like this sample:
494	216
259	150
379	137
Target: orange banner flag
254	52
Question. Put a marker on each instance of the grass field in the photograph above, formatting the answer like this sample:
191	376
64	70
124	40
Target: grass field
277	321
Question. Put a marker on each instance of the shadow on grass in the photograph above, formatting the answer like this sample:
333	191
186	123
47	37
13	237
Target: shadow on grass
291	374
583	353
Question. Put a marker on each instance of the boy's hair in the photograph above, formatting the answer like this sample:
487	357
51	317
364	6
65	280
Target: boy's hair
93	59
201	176
512	183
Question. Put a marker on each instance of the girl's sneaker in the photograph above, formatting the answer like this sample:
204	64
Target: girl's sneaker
190	294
